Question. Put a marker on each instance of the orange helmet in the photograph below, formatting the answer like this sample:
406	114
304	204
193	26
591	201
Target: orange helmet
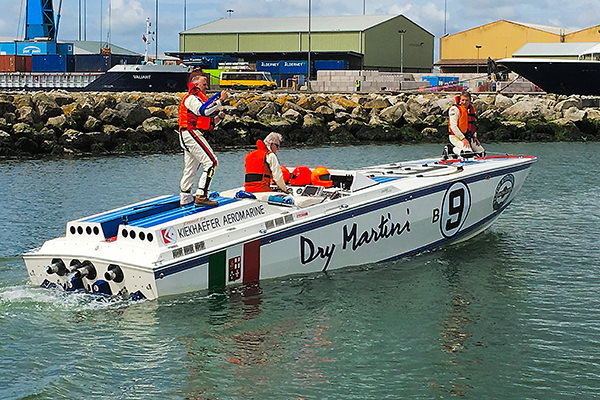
321	177
300	176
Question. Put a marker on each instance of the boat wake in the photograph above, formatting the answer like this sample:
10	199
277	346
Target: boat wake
27	296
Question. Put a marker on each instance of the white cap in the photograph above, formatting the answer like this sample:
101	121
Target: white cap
273	137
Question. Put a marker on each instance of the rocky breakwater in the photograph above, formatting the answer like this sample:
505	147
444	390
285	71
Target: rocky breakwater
59	122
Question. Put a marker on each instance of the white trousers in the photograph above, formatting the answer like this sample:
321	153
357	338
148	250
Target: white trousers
196	152
459	146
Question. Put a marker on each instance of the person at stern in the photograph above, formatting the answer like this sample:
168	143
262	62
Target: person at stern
198	116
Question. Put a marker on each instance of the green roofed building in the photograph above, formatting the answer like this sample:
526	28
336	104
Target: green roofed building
382	42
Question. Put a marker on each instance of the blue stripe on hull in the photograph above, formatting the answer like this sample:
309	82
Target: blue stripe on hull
150	205
110	221
176	213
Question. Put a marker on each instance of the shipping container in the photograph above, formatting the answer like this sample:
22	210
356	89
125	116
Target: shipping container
8	48
294	67
31	48
448	79
330	65
64	48
52	63
433	80
273	67
118	59
91	62
15	63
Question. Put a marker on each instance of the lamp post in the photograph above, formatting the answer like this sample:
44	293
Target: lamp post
156	35
309	22
402	32
477	46
364	8
229	12
445	15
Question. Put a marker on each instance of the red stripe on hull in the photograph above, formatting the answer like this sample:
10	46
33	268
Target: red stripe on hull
252	261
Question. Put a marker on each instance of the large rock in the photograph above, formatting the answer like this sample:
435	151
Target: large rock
528	109
111	117
154	125
61	122
393	114
348	104
311	102
268	112
503	102
22	129
28	115
311	121
61	97
292	115
288	105
592	114
376	104
564	105
6	107
132	114
93	124
46	105
419	106
574	114
255	106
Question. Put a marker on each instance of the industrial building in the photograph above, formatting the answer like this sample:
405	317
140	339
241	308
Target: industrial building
379	42
468	51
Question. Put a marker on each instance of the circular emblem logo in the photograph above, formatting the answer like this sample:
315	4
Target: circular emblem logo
168	235
503	191
455	208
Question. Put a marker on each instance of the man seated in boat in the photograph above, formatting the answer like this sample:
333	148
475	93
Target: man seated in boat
262	165
462	128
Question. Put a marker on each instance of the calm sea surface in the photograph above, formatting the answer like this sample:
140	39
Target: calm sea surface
511	314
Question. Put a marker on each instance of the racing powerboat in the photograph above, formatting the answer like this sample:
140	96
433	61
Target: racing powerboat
380	213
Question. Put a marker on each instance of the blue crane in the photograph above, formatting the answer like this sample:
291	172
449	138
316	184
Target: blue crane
40	20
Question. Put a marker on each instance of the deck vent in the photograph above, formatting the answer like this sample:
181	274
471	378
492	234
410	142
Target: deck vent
178	252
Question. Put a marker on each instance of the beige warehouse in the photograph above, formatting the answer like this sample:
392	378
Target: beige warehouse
501	39
374	38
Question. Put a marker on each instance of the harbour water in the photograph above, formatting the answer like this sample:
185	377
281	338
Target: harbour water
510	314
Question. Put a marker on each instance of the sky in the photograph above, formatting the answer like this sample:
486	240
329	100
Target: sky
128	17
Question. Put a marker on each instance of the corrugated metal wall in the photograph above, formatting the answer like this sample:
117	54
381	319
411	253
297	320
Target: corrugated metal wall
498	39
379	44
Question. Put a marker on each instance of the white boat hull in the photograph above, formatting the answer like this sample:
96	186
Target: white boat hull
386	212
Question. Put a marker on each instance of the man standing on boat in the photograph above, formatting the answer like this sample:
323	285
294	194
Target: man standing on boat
262	164
462	128
198	116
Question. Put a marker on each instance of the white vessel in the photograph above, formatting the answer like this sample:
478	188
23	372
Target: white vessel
156	248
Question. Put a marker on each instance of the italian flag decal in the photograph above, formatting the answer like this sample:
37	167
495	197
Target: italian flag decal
225	268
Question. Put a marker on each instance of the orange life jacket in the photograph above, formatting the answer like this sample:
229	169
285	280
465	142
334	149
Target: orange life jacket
466	120
188	120
258	173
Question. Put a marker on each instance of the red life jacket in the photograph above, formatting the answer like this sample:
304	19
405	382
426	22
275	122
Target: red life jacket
466	120
258	173
188	120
